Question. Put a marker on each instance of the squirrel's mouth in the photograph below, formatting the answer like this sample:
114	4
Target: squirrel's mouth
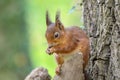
49	52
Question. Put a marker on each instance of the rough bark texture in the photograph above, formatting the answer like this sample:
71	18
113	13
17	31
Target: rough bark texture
72	69
39	74
102	22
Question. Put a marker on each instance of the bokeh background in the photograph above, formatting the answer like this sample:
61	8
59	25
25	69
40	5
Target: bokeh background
22	34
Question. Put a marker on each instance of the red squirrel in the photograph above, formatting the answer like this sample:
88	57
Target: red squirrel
63	40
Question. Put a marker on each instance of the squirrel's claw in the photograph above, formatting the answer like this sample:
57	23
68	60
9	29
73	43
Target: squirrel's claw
58	70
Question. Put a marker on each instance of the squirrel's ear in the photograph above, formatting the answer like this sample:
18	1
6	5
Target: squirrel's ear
58	23
48	21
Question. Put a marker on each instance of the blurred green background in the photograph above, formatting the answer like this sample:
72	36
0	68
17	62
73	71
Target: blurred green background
22	34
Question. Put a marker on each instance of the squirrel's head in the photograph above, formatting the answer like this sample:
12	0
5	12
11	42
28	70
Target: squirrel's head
55	31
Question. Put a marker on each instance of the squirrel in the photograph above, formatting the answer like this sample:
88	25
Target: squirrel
64	41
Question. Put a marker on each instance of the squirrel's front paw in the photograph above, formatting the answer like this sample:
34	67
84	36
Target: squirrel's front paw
50	51
58	70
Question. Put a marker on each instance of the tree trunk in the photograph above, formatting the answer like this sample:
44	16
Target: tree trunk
102	22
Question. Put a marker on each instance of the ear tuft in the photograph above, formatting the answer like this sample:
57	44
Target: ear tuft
58	23
48	21
57	16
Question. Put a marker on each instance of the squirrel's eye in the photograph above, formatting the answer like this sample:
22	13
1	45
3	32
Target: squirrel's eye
56	34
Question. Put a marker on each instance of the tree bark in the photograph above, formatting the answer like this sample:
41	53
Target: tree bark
72	69
102	22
